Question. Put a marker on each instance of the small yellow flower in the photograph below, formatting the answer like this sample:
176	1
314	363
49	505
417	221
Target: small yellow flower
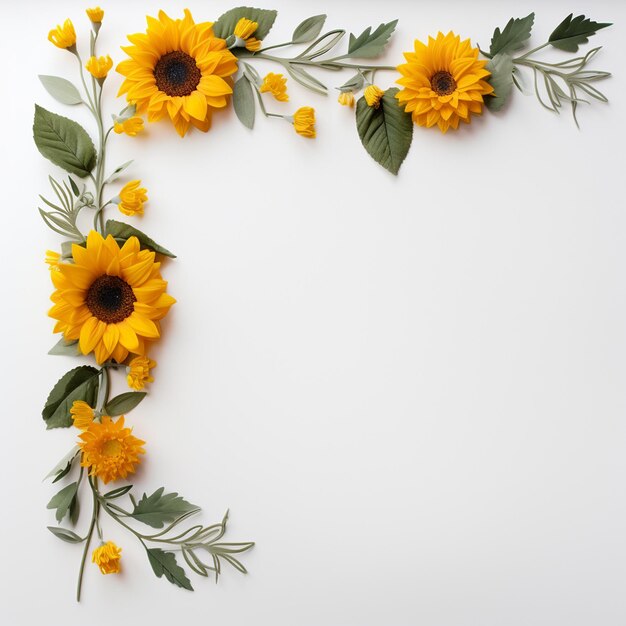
131	126
82	414
276	84
245	28
139	372
107	557
63	36
253	44
346	98
99	67
304	121
95	15
373	94
53	259
132	198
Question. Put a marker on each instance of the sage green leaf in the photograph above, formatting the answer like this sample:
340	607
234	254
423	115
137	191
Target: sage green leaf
63	463
243	101
158	509
164	563
385	132
117	493
308	29
61	89
513	36
124	403
117	172
64	142
66	535
574	31
63	500
300	75
122	232
225	25
81	383
501	79
65	348
371	44
353	84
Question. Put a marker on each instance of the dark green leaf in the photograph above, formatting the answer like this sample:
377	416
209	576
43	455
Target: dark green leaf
158	509
63	500
65	534
122	232
65	348
513	36
371	44
309	29
124	403
574	31
61	89
225	25
64	142
75	189
164	563
74	510
117	493
501	79
385	132
243	101
81	383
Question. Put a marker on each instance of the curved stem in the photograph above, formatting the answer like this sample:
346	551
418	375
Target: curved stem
527	54
94	517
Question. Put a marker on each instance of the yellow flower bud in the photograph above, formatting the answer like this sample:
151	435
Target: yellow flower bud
304	121
131	127
373	94
107	558
139	372
95	15
276	84
82	414
132	198
63	36
99	67
245	28
346	98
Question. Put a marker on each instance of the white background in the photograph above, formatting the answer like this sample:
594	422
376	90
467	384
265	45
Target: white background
409	391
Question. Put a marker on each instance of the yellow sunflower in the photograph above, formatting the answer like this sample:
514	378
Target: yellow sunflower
110	298
443	82
177	68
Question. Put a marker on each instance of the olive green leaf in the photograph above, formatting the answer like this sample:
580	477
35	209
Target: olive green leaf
300	75
243	101
370	44
61	89
63	466
501	79
308	29
574	31
65	348
164	563
117	493
66	535
386	132
124	403
353	84
63	500
81	383
225	25
64	142
513	36
122	232
159	509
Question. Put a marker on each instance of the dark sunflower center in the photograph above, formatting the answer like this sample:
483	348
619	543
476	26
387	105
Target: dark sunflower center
443	83
110	299
177	74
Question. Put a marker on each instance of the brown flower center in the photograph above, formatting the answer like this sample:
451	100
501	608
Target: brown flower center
443	83
110	299
177	74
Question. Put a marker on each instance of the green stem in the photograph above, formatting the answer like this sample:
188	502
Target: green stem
527	54
324	64
94	517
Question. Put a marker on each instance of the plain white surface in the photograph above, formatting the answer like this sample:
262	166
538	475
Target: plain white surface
408	391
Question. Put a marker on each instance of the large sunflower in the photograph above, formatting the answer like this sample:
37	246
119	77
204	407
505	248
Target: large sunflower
177	68
443	82
110	298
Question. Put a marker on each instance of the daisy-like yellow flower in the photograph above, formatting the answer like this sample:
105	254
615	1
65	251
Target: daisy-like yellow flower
276	84
131	127
132	198
373	95
95	15
107	558
346	99
99	67
139	372
177	69
444	82
304	121
63	36
110	299
245	28
109	450
53	259
82	414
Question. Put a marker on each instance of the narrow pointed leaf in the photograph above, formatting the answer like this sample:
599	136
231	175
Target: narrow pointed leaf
243	101
122	232
65	535
308	29
164	564
124	403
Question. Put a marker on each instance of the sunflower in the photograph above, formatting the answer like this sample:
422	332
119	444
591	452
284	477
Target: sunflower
110	298
443	82
177	68
109	450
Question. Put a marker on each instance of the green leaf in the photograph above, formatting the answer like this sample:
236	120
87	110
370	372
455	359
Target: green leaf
501	79
65	348
225	25
124	403
66	535
75	189
300	75
159	509
61	89
117	172
574	31
370	44
243	101
64	464
64	142
81	383
164	563
385	132
117	493
513	36
353	84
308	29
122	232
63	500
